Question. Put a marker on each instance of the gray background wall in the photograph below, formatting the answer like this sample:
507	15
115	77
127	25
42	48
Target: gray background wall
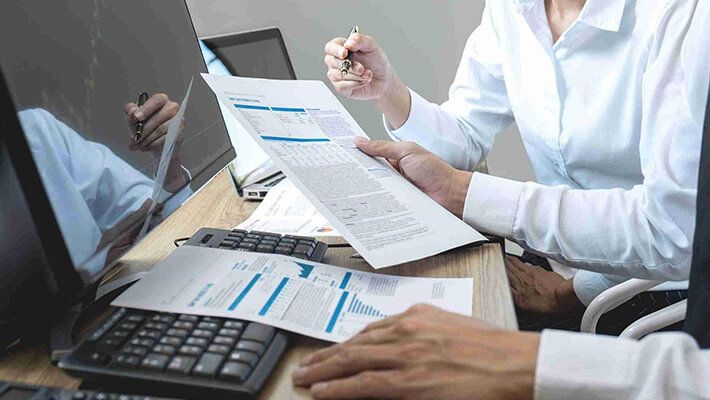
424	41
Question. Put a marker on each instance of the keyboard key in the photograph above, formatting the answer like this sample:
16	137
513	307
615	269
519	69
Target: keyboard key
100	396
164	349
196	341
247	246
259	333
190	350
235	372
158	326
136	350
248	345
203	333
303	249
273	236
145	342
242	231
150	334
224	340
121	334
135	318
181	364
282	250
165	318
207	365
155	361
250	240
129	326
213	319
177	332
184	325
189	318
288	245
229	332
113	342
270	241
212	326
218	348
231	324
289	240
265	248
171	340
245	357
127	360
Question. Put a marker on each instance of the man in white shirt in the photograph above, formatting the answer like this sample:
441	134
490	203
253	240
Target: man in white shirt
583	80
427	353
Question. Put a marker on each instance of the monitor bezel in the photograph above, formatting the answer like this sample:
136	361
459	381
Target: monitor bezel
217	42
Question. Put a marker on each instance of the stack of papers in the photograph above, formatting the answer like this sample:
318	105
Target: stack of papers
286	211
312	299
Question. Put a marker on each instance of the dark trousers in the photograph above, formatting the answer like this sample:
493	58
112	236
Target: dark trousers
613	322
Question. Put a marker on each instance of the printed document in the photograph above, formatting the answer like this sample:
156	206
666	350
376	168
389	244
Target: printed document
312	299
309	135
286	211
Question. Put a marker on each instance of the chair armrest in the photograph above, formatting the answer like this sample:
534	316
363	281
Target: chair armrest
612	298
655	321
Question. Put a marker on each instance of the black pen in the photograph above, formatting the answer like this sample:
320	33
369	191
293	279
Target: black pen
142	98
348	61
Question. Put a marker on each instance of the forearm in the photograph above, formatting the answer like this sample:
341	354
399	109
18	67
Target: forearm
608	231
396	102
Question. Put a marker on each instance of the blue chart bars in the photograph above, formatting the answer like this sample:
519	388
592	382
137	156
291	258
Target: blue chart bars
358	307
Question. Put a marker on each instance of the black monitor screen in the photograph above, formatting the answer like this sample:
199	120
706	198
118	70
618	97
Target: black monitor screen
258	54
73	67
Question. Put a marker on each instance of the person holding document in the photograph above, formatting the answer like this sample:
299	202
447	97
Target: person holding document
426	353
594	87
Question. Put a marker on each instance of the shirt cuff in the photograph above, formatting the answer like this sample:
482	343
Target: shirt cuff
415	129
491	204
575	366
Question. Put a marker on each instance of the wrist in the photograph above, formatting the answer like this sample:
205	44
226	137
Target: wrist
454	198
566	298
395	102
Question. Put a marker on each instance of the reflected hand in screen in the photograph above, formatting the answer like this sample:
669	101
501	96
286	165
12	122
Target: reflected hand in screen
155	114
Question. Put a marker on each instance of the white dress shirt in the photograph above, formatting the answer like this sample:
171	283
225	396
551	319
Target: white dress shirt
89	187
613	145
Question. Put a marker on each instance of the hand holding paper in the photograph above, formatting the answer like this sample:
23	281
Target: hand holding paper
309	135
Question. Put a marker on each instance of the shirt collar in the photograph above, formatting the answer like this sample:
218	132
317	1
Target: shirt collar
603	14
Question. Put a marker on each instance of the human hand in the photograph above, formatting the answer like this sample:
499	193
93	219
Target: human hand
538	290
371	74
424	353
432	175
156	114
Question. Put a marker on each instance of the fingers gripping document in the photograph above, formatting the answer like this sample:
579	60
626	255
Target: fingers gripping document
309	135
312	299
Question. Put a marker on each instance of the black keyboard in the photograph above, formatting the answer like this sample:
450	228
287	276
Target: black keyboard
18	391
262	242
178	355
185	355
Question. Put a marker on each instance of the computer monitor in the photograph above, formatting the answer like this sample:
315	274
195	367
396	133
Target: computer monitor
76	194
254	54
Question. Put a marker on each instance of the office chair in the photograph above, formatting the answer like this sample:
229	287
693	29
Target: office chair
618	295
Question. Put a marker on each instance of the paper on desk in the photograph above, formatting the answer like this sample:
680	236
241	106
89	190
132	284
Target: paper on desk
312	299
285	210
309	135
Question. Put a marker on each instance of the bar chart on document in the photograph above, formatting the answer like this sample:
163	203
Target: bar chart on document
309	135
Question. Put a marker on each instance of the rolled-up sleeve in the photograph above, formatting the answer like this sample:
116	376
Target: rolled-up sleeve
661	366
461	131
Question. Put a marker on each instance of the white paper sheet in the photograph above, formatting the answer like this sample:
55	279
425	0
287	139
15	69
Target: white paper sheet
312	299
287	211
309	134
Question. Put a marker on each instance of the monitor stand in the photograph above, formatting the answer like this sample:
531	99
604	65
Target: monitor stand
62	334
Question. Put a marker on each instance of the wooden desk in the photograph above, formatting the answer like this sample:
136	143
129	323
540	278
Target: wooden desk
217	206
